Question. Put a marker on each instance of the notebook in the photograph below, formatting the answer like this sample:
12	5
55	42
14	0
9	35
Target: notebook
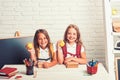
8	71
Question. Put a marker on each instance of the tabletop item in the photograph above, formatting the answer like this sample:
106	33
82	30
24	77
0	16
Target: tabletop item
18	77
8	71
72	65
29	70
92	67
29	66
116	25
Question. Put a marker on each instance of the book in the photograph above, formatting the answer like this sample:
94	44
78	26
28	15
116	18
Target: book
72	64
5	77
8	71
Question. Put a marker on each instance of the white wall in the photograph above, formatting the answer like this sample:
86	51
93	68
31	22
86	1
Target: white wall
110	64
55	15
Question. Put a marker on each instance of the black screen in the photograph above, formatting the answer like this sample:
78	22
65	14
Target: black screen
13	51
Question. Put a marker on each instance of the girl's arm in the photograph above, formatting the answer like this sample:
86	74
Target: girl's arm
81	60
60	55
32	55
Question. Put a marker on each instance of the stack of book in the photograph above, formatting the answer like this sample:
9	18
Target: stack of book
7	72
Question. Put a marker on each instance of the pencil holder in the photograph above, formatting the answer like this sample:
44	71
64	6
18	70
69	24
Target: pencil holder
92	67
30	70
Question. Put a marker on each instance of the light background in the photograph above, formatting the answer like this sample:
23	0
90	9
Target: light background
27	16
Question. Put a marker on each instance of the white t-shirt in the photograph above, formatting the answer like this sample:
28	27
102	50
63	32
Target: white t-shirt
44	54
72	49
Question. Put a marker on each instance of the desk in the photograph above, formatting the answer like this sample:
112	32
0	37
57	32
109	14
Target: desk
60	72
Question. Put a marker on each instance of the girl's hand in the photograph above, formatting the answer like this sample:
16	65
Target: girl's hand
29	46
46	65
31	51
60	43
35	63
32	55
40	64
69	59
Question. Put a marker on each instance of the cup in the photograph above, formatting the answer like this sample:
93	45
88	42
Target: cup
92	69
30	70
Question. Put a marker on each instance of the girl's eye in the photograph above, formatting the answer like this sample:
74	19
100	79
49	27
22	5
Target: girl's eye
39	39
45	38
74	34
71	33
42	38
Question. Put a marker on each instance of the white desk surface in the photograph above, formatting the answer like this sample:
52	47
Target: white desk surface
60	72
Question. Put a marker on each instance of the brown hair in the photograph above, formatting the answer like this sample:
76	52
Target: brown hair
78	40
36	45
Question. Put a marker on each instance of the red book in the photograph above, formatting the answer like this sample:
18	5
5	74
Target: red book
8	71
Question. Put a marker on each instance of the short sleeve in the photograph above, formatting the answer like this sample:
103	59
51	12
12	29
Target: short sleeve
82	49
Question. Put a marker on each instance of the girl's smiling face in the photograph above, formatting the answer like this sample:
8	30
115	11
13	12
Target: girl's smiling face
42	40
71	35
